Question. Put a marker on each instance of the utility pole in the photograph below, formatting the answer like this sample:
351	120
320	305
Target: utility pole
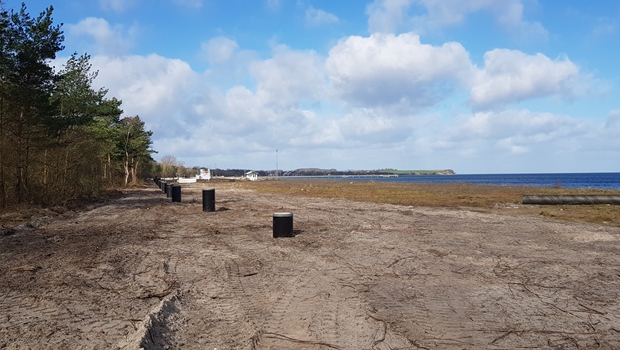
276	164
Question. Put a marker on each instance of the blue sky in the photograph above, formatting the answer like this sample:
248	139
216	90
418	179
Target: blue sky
478	86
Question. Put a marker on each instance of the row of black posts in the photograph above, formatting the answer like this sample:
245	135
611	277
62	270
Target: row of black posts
171	191
282	222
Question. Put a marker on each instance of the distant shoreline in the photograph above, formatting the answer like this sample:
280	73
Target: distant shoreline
377	172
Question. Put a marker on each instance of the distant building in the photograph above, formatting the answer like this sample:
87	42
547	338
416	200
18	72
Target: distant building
205	174
251	175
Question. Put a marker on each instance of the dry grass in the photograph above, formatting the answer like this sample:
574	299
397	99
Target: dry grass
478	197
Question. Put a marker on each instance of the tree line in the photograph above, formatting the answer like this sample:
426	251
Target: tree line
60	139
169	166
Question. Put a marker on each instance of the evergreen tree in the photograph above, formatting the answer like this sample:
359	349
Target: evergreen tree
59	137
27	81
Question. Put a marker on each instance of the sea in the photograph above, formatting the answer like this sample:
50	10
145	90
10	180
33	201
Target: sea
604	181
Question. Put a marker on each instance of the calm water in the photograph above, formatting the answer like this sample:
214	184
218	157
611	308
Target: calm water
567	180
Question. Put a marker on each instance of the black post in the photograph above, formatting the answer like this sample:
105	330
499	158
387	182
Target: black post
282	225
176	193
168	190
208	199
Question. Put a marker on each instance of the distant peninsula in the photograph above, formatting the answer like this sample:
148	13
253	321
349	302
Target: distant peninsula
389	171
325	172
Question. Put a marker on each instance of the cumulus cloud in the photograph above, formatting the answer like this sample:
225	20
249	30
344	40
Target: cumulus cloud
513	125
512	76
109	40
517	132
180	106
386	69
362	101
117	5
155	87
390	15
316	17
289	76
363	126
219	50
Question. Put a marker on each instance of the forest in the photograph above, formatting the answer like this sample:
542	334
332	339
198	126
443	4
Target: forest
60	138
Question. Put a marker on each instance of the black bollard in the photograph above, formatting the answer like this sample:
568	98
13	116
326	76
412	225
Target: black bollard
282	225
168	190
175	193
208	199
162	186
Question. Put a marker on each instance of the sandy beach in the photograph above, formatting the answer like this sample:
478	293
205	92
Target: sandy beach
142	272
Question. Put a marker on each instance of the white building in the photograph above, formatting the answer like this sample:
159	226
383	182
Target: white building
205	174
251	175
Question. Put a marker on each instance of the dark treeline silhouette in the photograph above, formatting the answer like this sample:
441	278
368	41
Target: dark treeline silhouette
323	172
60	139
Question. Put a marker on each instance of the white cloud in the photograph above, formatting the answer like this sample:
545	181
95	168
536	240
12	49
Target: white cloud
316	17
613	121
605	26
317	132
388	16
155	87
512	125
385	16
109	40
195	4
117	5
345	111
289	76
387	69
509	14
511	76
364	126
219	50
543	141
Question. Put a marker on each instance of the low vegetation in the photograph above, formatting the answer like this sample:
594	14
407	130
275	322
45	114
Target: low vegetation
455	195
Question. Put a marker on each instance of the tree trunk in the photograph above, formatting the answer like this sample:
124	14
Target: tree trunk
45	167
3	203
126	171
134	171
126	168
110	167
127	156
18	164
64	181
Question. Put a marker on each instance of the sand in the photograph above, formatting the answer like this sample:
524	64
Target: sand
142	272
